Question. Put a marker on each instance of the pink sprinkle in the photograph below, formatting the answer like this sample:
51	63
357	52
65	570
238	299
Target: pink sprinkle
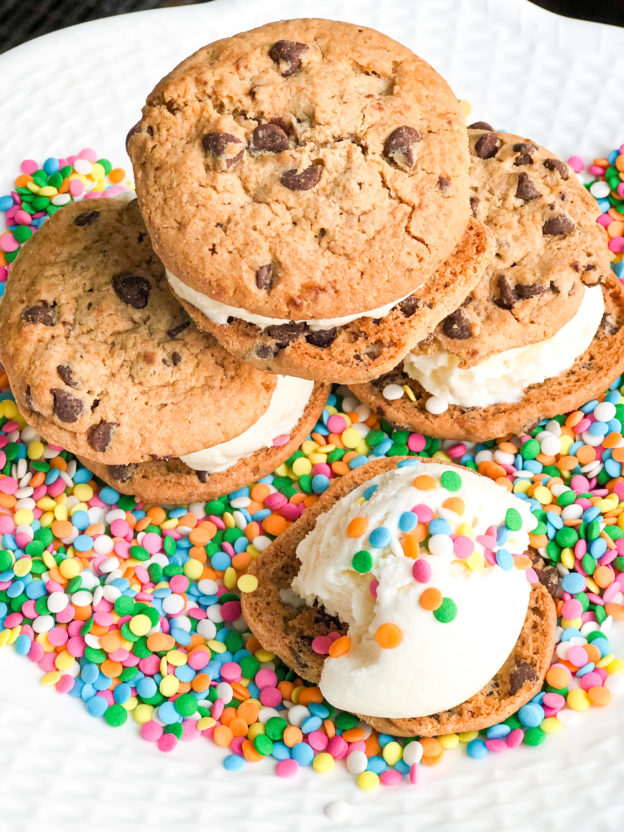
271	697
423	512
46	663
118	655
35	654
218	708
167	742
179	583
8	243
322	468
580	484
611	591
596	599
290	511
421	570
414	773
416	442
265	678
231	610
28	608
275	501
590	680
604	220
390	777
76	187
571	609
486	540
514	738
153	543
218	521
56	488
457	451
490	556
65	683
199	659
336	424
555	700
7	524
231	672
580	548
318	740
150	665
88	153
22	218
463	546
496	744
596	170
236	746
620	190
190	731
76	646
576	163
577	655
320	645
372	588
57	636
29	166
282	440
287	768
338	747
120	528
151	731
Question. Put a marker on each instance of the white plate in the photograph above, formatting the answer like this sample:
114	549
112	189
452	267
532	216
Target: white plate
556	80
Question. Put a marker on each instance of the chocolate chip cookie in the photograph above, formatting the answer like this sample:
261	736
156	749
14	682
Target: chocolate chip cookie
308	169
101	358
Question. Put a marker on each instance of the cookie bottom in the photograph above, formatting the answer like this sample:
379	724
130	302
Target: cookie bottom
366	347
170	481
588	377
288	631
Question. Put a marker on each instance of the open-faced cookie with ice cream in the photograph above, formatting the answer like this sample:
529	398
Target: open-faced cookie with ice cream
304	184
542	331
407	593
103	361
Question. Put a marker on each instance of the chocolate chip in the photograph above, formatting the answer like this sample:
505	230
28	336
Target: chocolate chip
409	305
523	159
223	150
558	225
303	181
65	373
203	476
480	125
99	436
269	137
554	288
522	672
487	145
45	313
287	55
266	350
264	277
529	290
67	408
443	184
132	289
322	337
28	397
176	330
526	190
122	473
400	145
561	167
284	334
576	266
474	204
524	147
176	358
457	326
608	324
549	577
507	298
86	218
374	350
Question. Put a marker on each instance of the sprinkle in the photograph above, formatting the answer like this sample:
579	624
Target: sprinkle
388	636
446	611
362	561
430	598
357	527
451	480
380	537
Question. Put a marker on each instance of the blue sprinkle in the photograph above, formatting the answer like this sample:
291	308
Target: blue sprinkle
368	492
384	739
357	461
82	475
587	668
302	753
87	692
531	715
598	547
497	732
83	543
318	709
376	764
220	561
407	521
476	749
241	492
573	583
569	633
51	165
22	645
280	751
80	520
108	495
122	693
383	447
311	723
146	687
380	537
97	705
598	429
554	519
603	645
589	407
320	482
168	714
439	526
6	202
234	763
405	463
504	559
502	535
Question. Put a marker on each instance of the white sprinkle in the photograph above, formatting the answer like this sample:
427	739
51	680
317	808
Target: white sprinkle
240	502
435	405
412	753
197	509
604	412
261	542
615	683
110	593
600	190
214	614
207	587
572	512
440	544
206	629
266	714
551	445
349	404
357	762
173	604
568	717
225	692
43	624
109	565
57	601
297	714
240	519
338	810
363	411
484	456
553	427
103	544
393	391
83	166
82	598
591	438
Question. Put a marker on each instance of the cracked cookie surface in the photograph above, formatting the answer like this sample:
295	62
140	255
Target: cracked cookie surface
548	246
305	169
102	359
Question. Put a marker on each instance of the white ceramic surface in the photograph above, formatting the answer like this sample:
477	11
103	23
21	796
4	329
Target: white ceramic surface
521	68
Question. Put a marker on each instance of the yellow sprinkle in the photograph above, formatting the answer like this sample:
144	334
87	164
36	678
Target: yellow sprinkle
35	449
228	519
392	753
64	661
605	505
441	456
247	583
605	661
206	722
79	507
216	646
15	633
592	585
170	524
23	516
542	494
323	762
476	561
409	392
229	577
83	491
309	446
33	187
97	171
465	106
140	625
193	569
331	409
8	409
318	458
130	704
301	467
282	470
46	503
5	635
46	519
468	736
362	448
60	512
465	529
176	657
566	443
143	713
551	725
50	678
449	740
164	669
22	567
367	781
350	438
70	568
521	486
255	730
567	558
296	693
263	655
48	559
615	666
578	700
169	685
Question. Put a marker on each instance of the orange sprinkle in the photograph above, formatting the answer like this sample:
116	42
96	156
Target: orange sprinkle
599	696
557	677
309	695
586	454
618	454
615	610
160	642
430	598
522	561
227	716
240	691
389	635
604	576
340	468
260	492
574	418
410	546
371	746
353	735
285	688
292	736
189	520
110	668
62	529
201	682
593	653
248	711
157	515
203	533
7	500
117	175
241	561
424	482
275	524
22	180
198	553
357	527
238	727
296	500
223	736
340	647
455	504
252	530
431	747
250	753
329	728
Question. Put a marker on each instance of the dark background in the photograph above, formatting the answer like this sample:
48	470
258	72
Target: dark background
21	20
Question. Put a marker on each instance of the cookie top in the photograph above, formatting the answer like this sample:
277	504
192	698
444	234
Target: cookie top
101	358
305	169
548	245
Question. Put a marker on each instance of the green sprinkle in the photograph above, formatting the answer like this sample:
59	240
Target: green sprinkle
275	727
513	519
186	704
447	611
534	736
124	605
263	745
451	480
566	536
116	715
362	561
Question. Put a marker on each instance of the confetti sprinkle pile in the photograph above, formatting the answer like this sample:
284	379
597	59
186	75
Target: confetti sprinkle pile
135	610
